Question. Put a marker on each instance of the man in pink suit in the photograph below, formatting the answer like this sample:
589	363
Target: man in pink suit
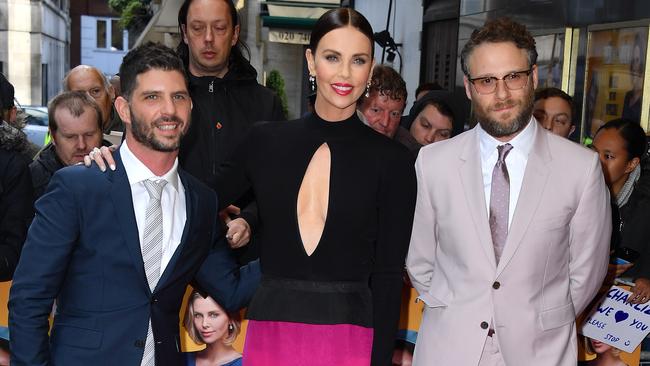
512	224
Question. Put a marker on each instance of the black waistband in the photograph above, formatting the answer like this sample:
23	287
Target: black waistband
312	302
313	286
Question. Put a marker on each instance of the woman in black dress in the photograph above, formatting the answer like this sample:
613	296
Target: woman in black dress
335	202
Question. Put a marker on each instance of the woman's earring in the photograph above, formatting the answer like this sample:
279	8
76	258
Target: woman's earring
367	90
231	327
312	83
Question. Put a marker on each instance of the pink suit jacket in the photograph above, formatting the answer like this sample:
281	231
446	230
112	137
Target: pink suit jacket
553	262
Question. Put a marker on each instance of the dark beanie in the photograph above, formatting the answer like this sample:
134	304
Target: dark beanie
6	93
441	97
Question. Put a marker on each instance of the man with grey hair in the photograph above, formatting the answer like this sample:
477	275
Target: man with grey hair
91	80
75	126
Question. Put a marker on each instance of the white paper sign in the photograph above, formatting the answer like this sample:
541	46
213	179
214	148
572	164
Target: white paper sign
616	322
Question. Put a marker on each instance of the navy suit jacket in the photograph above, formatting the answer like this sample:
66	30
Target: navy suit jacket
83	250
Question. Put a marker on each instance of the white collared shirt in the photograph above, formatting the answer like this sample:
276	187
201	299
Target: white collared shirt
515	161
172	201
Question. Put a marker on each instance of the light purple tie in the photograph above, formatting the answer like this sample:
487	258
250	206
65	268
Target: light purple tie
500	201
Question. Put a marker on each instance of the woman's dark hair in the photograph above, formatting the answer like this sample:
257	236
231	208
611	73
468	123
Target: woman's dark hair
237	51
632	133
339	18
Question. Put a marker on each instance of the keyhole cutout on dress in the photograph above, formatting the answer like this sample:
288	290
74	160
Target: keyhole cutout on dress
313	199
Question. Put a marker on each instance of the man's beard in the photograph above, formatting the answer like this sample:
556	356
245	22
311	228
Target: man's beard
144	134
506	128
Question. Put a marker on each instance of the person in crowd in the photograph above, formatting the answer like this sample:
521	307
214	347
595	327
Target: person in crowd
75	124
633	98
91	80
227	98
553	109
227	101
424	89
115	83
116	250
384	104
16	198
431	119
332	273
606	354
8	110
208	323
13	121
621	146
502	259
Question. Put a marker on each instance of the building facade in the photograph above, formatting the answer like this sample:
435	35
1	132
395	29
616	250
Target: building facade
34	47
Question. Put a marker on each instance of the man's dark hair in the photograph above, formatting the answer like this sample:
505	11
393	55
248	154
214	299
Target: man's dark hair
236	52
545	93
76	103
386	81
144	58
427	87
500	30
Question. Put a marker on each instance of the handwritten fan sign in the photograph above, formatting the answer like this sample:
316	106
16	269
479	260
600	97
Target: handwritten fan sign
618	323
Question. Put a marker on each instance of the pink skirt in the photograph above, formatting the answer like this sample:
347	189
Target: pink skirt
277	343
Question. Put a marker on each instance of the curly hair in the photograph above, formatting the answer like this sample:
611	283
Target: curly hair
386	81
500	30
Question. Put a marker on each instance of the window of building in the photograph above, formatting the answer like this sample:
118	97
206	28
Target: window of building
117	35
110	34
101	34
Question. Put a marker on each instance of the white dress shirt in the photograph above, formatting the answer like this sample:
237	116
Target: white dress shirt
515	161
172	201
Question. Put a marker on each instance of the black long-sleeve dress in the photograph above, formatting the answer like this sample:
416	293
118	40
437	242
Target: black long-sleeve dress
354	275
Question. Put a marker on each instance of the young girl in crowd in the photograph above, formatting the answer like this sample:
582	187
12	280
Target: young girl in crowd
208	323
621	145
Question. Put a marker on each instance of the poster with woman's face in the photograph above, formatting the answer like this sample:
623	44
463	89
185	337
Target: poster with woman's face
615	72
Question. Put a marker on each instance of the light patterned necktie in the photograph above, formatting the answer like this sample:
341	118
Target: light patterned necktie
500	201
152	254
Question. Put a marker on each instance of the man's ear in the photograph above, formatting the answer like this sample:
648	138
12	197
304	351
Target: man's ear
235	36
184	31
122	108
468	91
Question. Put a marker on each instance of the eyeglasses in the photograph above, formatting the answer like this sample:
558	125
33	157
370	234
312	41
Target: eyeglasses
514	81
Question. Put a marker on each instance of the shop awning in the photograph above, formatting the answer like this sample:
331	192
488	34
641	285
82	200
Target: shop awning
292	21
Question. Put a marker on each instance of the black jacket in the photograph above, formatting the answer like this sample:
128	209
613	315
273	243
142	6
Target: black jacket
16	209
42	169
45	164
632	229
223	111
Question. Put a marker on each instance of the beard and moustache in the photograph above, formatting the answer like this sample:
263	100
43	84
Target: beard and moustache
144	134
509	127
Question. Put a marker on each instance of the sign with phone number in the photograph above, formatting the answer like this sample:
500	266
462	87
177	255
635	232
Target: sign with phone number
288	36
616	322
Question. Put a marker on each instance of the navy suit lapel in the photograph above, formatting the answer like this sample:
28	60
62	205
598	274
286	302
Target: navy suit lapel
123	205
191	204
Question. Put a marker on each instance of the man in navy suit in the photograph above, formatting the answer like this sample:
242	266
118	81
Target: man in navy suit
116	250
